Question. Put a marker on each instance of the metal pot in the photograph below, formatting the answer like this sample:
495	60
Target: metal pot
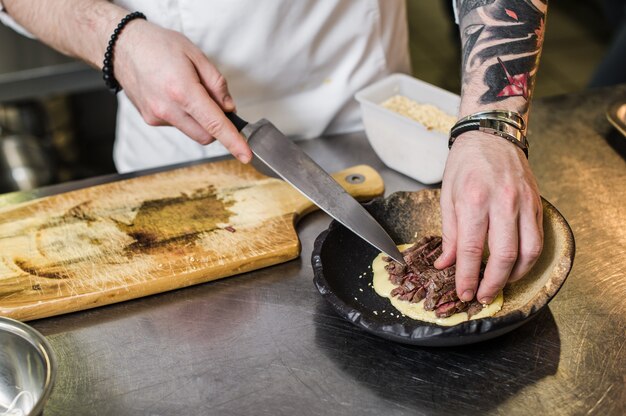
25	151
24	163
28	117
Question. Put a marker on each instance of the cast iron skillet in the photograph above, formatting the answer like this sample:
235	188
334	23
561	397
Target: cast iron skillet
342	267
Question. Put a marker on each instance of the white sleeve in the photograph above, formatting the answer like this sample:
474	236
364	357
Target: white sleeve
8	21
456	12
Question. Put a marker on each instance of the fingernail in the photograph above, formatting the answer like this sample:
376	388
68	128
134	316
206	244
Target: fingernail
467	295
439	262
244	158
486	300
228	101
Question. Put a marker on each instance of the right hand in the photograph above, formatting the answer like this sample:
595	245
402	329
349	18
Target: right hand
489	193
172	83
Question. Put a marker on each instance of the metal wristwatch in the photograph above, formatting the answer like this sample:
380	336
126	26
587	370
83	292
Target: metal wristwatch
505	124
510	117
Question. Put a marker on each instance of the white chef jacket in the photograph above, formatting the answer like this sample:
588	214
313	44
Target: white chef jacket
297	63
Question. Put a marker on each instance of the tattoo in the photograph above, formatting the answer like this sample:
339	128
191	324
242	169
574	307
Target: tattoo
467	6
502	42
471	35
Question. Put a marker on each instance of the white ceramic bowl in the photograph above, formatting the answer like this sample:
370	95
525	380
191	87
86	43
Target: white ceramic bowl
402	143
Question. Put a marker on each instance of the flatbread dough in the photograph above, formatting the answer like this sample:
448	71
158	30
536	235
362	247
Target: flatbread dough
383	287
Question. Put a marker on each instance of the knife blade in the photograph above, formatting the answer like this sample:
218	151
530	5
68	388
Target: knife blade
286	158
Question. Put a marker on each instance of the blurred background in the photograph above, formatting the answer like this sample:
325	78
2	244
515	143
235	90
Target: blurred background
57	122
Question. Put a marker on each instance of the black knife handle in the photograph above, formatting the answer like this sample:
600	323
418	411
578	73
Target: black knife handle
236	120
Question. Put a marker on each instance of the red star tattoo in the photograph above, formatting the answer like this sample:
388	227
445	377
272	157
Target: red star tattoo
518	84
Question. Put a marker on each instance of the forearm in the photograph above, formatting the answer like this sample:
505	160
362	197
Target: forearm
168	79
78	28
502	41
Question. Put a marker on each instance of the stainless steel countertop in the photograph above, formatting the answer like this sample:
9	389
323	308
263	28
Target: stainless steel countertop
265	343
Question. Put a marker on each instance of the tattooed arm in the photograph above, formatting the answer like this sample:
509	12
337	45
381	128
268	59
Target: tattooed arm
488	191
502	42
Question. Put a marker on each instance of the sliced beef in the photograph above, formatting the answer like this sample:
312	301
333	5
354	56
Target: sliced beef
419	279
450	308
398	291
421	256
449	296
419	294
474	307
446	309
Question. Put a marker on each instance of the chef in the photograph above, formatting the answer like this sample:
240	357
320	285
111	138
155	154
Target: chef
177	65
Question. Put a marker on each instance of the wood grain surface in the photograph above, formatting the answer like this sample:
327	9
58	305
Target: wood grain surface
132	238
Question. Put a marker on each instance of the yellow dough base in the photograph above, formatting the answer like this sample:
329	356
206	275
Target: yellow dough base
383	286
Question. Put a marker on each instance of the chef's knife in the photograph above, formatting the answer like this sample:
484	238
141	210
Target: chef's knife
285	158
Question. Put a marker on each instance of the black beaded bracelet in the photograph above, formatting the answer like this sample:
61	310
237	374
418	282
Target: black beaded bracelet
107	65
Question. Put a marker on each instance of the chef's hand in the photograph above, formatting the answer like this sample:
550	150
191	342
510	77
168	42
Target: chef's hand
172	83
489	192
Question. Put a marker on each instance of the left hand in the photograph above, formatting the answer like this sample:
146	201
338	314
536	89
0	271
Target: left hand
489	192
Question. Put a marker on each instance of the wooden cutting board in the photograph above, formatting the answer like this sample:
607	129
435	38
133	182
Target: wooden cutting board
136	237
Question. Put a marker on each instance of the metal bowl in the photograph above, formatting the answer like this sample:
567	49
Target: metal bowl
27	369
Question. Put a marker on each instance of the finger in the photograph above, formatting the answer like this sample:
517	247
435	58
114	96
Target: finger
214	82
471	229
530	241
211	117
448	234
185	123
503	251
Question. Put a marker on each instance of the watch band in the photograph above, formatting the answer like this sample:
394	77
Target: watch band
499	125
510	117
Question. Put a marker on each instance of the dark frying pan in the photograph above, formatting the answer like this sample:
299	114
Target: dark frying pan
341	264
